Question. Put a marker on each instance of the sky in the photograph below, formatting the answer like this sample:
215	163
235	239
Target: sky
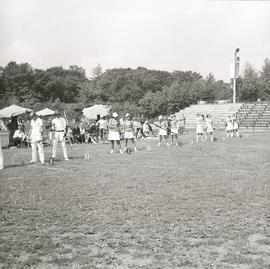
197	35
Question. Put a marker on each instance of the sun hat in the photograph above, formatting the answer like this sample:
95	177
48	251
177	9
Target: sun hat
115	115
127	115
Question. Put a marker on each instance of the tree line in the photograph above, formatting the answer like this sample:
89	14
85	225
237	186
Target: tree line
139	91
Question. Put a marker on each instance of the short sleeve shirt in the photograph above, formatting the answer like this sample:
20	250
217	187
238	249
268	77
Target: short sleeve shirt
59	124
36	126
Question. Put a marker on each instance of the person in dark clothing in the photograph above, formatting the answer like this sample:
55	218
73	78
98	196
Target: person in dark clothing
12	127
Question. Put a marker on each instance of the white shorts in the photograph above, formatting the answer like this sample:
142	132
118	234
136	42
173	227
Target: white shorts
114	136
128	135
174	131
162	132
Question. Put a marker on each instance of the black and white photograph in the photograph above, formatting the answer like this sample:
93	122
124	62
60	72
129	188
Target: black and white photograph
135	134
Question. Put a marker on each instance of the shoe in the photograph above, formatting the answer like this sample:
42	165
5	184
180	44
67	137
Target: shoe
67	159
121	151
135	149
32	161
158	145
111	152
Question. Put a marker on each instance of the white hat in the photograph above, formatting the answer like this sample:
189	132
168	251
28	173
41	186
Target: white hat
115	115
127	115
160	117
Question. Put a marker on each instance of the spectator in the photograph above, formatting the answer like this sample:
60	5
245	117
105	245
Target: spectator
19	137
12	127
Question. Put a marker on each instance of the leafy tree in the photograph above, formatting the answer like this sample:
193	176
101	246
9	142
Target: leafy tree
97	71
249	85
265	81
208	92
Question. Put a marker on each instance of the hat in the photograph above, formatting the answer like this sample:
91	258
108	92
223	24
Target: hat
115	115
160	117
127	115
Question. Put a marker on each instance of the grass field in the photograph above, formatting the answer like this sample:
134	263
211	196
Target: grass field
204	205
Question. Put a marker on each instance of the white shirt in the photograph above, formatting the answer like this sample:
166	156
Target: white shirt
103	124
36	129
59	124
19	134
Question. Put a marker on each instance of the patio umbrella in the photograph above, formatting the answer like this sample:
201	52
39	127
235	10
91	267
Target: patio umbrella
91	112
45	112
13	110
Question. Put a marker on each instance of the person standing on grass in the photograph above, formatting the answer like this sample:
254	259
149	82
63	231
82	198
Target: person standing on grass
163	130
114	132
209	127
36	136
2	127
129	132
59	126
103	126
174	129
229	127
235	126
199	127
12	126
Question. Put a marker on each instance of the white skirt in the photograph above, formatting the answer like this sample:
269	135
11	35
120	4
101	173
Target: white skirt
199	129
114	136
229	127
174	131
162	132
209	129
235	126
36	138
128	135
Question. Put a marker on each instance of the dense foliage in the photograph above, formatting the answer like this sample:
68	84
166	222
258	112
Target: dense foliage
135	90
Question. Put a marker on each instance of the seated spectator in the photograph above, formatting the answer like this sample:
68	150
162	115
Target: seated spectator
92	133
19	137
76	135
147	129
82	133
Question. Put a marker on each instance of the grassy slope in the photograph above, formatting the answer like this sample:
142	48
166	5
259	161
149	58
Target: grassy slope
204	205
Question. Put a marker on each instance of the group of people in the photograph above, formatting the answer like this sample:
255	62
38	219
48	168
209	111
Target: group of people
167	128
35	137
205	127
97	131
113	130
